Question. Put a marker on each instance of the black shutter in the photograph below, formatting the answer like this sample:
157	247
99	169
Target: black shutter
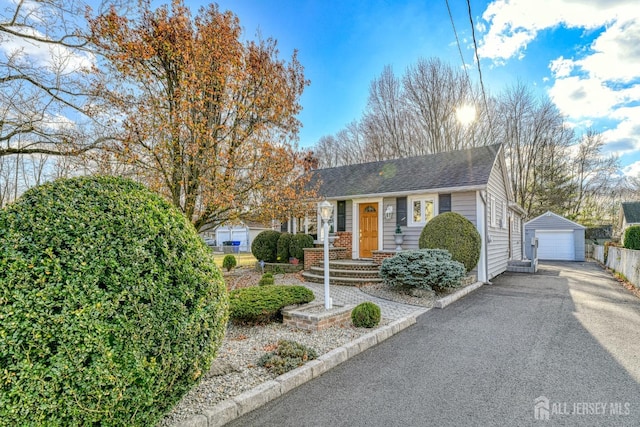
401	211
444	203
283	226
342	215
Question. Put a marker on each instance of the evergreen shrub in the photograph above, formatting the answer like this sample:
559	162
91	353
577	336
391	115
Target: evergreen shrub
262	304
266	280
229	261
423	269
111	306
287	356
632	237
456	234
282	247
298	243
365	315
265	246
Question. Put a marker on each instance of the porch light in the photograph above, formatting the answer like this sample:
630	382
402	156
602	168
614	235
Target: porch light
388	212
326	212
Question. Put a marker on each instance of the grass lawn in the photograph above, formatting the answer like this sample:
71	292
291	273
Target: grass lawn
243	259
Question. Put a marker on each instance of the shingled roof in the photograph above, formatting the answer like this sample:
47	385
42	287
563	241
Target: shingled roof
463	168
631	211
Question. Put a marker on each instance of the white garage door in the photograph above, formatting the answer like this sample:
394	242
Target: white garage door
556	245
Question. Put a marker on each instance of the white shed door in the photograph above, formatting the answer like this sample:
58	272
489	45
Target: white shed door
556	245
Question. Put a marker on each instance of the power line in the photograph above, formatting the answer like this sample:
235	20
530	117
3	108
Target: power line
464	65
475	49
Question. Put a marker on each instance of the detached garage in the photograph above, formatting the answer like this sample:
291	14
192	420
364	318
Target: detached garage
559	239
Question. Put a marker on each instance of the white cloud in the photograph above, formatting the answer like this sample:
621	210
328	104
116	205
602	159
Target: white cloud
595	83
512	24
632	170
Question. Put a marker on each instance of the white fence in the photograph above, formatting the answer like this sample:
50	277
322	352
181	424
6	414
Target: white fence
620	260
626	262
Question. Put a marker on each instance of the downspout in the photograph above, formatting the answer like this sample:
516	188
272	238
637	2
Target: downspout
483	196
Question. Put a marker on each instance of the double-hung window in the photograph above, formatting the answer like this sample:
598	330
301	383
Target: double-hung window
421	209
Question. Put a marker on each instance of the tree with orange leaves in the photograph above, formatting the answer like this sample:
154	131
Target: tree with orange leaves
208	120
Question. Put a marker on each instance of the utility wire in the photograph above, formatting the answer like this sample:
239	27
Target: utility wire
475	49
464	65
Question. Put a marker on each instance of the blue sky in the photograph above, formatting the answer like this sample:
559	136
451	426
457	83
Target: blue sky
584	54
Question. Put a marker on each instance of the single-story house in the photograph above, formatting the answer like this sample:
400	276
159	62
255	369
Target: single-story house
372	199
629	215
559	239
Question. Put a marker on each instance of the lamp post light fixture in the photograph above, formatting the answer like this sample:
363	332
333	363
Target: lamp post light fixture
326	212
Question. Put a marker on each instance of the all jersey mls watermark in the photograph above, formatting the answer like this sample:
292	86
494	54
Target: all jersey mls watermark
543	409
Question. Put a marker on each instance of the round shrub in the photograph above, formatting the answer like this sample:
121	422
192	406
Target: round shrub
266	280
265	246
426	269
298	243
111	306
229	261
632	237
456	234
262	304
283	247
365	315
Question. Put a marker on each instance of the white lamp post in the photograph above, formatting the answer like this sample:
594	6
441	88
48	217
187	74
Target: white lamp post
326	211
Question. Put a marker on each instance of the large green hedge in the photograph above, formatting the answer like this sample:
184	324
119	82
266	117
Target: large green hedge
456	234
632	237
283	247
111	306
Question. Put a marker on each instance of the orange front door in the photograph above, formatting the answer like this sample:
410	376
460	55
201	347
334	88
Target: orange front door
368	229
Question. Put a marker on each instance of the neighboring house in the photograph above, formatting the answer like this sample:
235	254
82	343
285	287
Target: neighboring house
559	239
629	215
243	232
371	199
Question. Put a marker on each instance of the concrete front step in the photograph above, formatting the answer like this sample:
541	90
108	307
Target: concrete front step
335	280
368	274
352	265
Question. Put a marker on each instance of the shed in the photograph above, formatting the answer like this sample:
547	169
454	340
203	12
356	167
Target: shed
559	239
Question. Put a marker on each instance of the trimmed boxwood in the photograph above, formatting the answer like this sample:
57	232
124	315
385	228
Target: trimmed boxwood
265	246
365	315
229	261
297	245
283	247
111	306
632	237
262	304
456	234
423	269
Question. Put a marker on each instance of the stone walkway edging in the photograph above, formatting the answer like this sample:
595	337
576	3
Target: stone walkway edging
445	301
230	409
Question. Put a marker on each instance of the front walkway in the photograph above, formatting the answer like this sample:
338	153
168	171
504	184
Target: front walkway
351	295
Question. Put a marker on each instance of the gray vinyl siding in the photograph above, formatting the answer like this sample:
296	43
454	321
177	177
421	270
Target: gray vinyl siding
578	241
349	216
498	244
465	205
516	235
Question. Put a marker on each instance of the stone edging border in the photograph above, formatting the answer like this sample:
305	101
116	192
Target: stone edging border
230	409
445	301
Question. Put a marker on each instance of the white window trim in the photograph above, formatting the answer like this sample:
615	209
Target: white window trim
421	197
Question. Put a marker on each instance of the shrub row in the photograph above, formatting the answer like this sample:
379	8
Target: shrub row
273	246
262	304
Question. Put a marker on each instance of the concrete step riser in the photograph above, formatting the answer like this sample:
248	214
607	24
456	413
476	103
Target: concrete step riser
349	281
345	273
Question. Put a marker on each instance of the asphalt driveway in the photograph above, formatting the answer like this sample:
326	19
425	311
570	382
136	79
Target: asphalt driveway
563	344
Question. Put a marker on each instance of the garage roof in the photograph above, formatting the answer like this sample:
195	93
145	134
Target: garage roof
552	221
